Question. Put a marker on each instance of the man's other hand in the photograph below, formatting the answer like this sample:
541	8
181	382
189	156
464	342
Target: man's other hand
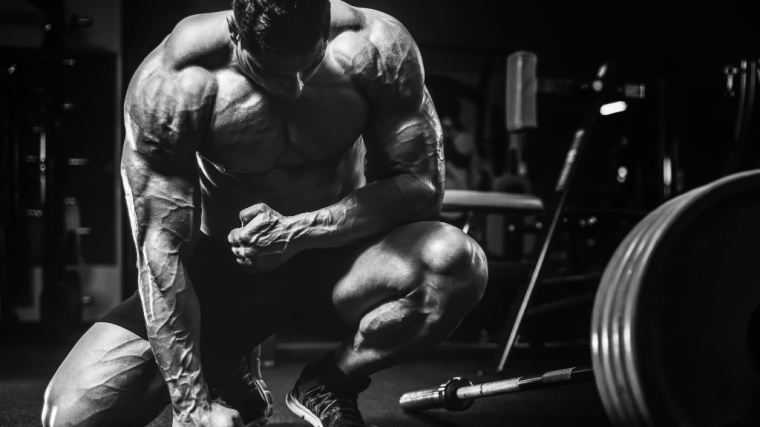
264	241
218	416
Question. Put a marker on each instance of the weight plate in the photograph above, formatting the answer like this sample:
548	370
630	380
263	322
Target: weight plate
676	324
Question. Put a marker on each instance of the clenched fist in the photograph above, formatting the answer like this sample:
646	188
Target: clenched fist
265	240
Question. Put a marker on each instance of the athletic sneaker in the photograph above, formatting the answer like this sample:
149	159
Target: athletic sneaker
326	397
246	392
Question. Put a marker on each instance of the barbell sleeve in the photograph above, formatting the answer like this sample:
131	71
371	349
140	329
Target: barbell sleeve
439	397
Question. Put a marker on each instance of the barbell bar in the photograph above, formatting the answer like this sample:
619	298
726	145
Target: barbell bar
459	393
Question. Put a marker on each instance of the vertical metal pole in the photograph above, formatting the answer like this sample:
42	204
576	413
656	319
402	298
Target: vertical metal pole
53	162
601	85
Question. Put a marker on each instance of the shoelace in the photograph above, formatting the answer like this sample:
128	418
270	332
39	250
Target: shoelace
334	407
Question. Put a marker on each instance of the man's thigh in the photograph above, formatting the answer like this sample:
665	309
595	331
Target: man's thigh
109	378
395	264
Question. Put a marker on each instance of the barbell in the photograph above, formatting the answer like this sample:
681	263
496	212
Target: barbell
458	394
675	329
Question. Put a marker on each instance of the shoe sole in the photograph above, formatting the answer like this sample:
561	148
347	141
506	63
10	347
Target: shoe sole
301	411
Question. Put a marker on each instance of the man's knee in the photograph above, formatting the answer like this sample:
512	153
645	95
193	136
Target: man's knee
66	405
449	252
55	411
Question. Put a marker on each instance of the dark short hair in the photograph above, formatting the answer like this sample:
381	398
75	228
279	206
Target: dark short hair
258	24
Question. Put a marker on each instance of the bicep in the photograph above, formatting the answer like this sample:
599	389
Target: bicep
405	137
166	120
403	134
166	115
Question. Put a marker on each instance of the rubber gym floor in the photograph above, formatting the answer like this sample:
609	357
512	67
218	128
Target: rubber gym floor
27	363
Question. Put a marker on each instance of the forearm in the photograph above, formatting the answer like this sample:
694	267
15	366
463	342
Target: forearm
162	215
370	210
172	315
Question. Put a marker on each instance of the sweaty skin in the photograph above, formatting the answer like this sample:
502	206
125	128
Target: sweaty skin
274	153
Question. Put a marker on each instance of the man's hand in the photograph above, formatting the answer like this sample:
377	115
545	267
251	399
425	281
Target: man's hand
218	416
264	241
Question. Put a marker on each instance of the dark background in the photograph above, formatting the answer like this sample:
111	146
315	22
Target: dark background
678	52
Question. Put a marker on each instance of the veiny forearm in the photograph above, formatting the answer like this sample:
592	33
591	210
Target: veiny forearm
370	210
162	213
173	322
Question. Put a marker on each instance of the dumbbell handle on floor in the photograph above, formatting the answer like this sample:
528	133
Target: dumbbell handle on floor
459	394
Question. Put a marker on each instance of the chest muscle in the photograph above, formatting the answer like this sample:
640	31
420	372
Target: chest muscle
255	132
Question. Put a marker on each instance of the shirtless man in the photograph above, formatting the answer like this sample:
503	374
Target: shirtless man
282	166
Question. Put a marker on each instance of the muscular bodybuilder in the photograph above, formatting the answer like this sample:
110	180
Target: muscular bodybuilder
282	167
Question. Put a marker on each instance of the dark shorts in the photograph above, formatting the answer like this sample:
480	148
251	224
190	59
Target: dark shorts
240	310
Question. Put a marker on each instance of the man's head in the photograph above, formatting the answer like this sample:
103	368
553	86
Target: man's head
282	41
292	26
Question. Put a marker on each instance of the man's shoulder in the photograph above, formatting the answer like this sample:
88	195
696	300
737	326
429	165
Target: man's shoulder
374	47
183	64
368	41
199	40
